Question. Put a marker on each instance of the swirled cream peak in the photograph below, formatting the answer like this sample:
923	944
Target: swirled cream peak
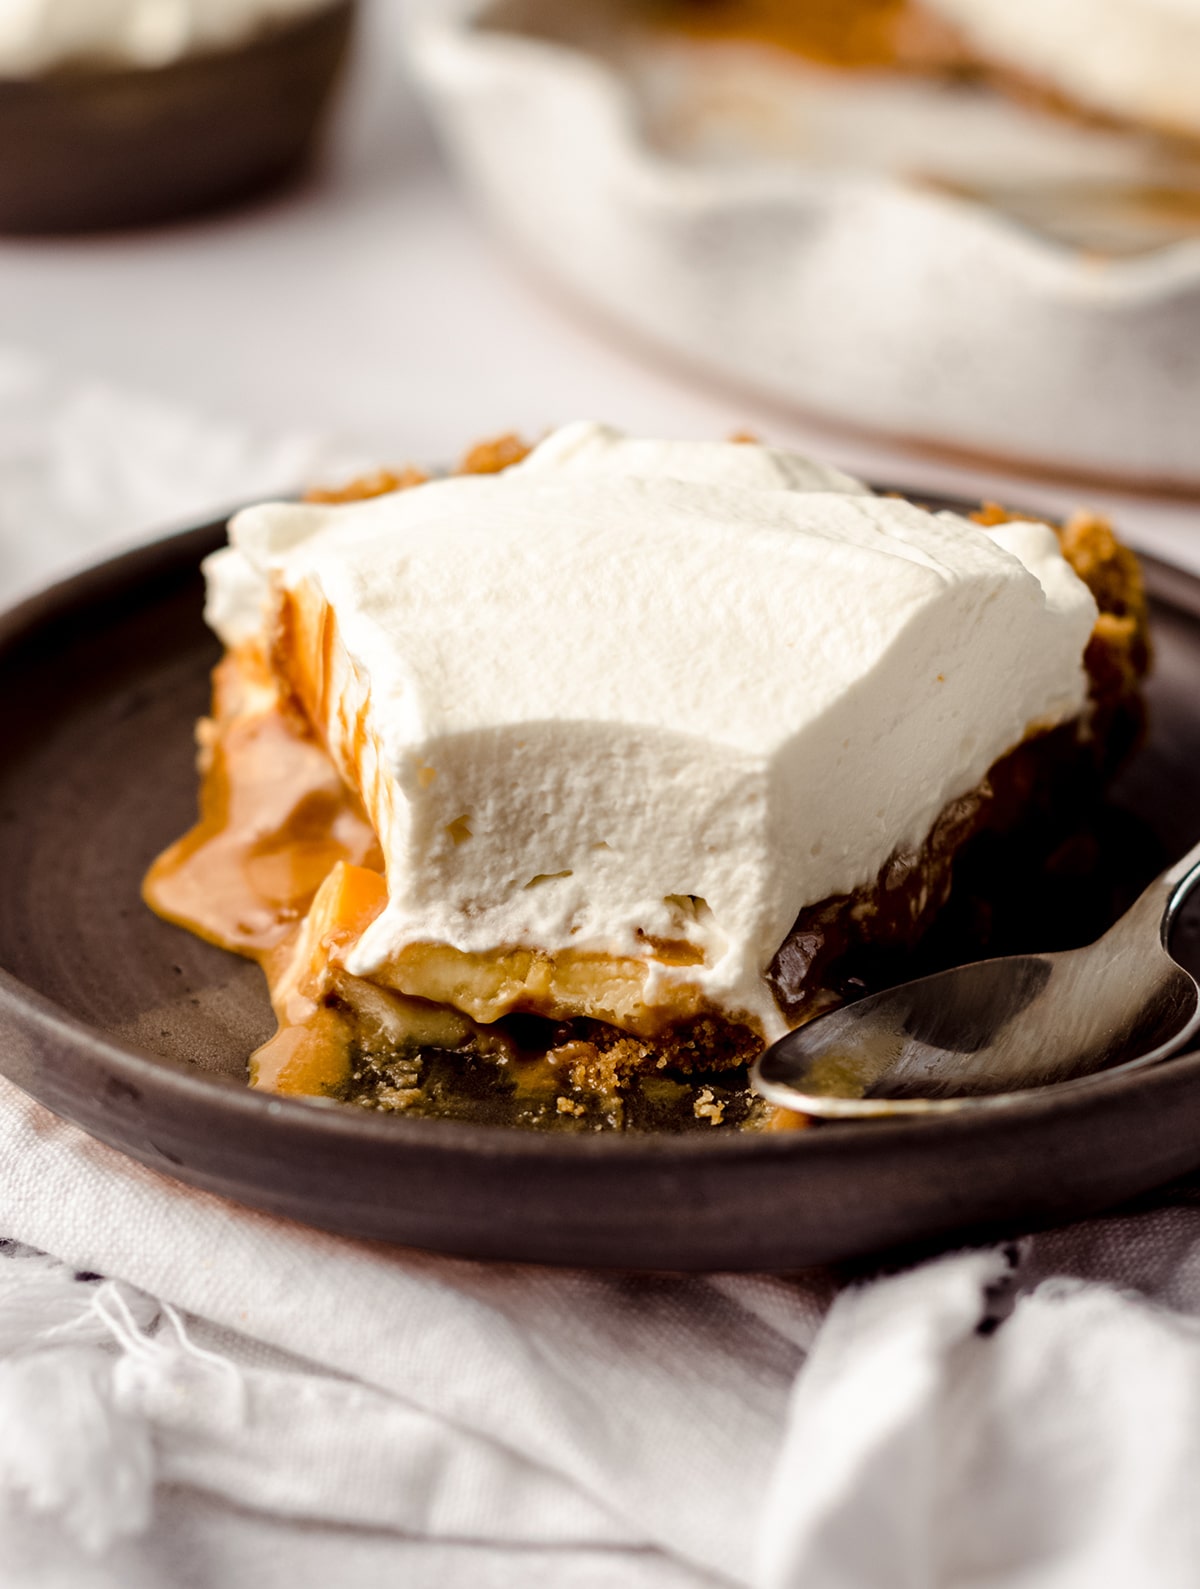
630	693
1135	59
587	448
39	35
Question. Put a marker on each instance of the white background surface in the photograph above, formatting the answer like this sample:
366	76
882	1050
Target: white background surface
374	305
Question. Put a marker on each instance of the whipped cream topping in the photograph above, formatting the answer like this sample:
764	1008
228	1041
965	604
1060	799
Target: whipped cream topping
587	448
1134	59
39	35
631	691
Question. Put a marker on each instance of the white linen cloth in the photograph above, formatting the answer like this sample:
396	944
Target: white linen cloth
192	1393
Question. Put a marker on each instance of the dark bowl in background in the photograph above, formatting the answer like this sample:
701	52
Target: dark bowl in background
91	149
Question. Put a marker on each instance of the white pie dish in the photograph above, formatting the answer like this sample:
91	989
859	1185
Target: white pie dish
888	304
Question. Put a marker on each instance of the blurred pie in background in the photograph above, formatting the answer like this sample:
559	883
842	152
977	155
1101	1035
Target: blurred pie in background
864	34
966	224
129	112
1078	118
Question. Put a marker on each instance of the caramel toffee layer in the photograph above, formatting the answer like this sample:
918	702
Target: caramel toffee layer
852	34
284	867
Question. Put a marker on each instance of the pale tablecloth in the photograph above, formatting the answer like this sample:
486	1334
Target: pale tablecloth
194	1394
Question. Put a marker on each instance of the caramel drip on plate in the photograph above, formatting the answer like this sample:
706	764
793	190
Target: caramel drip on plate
276	822
275	818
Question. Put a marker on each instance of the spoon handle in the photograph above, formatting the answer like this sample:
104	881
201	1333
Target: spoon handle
1154	913
1183	872
1177	883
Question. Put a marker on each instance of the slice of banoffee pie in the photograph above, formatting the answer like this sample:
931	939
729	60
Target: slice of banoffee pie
612	756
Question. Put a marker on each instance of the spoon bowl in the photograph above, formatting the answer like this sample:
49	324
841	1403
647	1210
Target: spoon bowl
987	1034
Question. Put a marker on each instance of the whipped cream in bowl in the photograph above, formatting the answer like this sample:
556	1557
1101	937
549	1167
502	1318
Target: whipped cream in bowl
130	113
39	36
638	705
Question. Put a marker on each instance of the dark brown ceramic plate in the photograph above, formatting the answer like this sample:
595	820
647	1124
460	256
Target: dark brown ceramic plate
87	149
139	1033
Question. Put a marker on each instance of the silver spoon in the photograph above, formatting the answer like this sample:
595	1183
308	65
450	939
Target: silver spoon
987	1034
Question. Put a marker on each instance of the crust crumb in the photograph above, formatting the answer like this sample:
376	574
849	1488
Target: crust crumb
1109	569
380	484
991	514
486	457
1118	654
492	457
707	1107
